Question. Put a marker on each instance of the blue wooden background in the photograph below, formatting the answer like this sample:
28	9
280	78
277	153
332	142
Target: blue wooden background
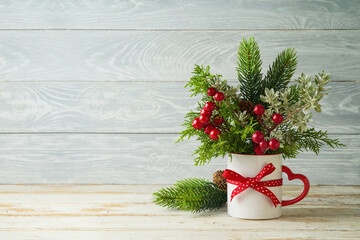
92	91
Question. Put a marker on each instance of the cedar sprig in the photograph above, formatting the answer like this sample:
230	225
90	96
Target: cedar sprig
313	140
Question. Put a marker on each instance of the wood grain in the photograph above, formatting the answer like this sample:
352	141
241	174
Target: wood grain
134	107
145	159
127	211
164	55
91	91
185	14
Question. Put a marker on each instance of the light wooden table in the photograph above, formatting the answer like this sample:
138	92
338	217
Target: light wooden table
104	212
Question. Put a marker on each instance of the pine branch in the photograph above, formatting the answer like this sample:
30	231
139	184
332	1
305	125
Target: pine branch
283	68
193	194
249	69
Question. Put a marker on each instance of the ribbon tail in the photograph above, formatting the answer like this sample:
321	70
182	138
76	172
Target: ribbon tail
268	193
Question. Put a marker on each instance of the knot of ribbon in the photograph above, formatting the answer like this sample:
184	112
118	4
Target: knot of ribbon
243	183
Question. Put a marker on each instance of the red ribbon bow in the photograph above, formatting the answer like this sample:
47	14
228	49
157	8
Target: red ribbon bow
244	183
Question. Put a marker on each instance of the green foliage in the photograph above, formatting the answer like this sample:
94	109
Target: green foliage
249	69
229	142
234	141
200	82
273	91
209	149
280	73
313	140
310	140
193	194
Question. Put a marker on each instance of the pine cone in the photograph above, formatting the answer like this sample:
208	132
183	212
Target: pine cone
247	106
219	180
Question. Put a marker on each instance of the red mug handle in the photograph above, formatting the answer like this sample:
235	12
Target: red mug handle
292	176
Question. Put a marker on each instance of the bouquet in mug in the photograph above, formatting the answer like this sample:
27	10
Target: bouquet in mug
262	114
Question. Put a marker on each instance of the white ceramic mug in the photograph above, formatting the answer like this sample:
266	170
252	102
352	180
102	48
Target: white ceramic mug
251	204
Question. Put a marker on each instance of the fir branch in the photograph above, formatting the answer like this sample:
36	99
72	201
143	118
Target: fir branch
193	194
249	69
283	68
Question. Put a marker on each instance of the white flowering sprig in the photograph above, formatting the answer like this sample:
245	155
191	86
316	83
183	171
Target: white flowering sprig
272	98
243	117
222	85
295	101
277	134
310	93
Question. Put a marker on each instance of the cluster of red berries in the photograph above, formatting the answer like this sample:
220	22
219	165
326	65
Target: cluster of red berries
260	144
204	121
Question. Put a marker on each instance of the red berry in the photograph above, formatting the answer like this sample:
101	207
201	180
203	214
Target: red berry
211	91
257	137
277	118
209	127
205	112
219	96
258	150
264	144
214	134
259	109
204	119
218	119
274	144
197	124
209	106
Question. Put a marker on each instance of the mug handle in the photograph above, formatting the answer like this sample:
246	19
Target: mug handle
292	176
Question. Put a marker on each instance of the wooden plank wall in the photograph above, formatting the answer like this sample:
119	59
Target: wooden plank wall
92	91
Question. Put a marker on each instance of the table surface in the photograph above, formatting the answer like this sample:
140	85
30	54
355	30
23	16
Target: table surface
127	212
